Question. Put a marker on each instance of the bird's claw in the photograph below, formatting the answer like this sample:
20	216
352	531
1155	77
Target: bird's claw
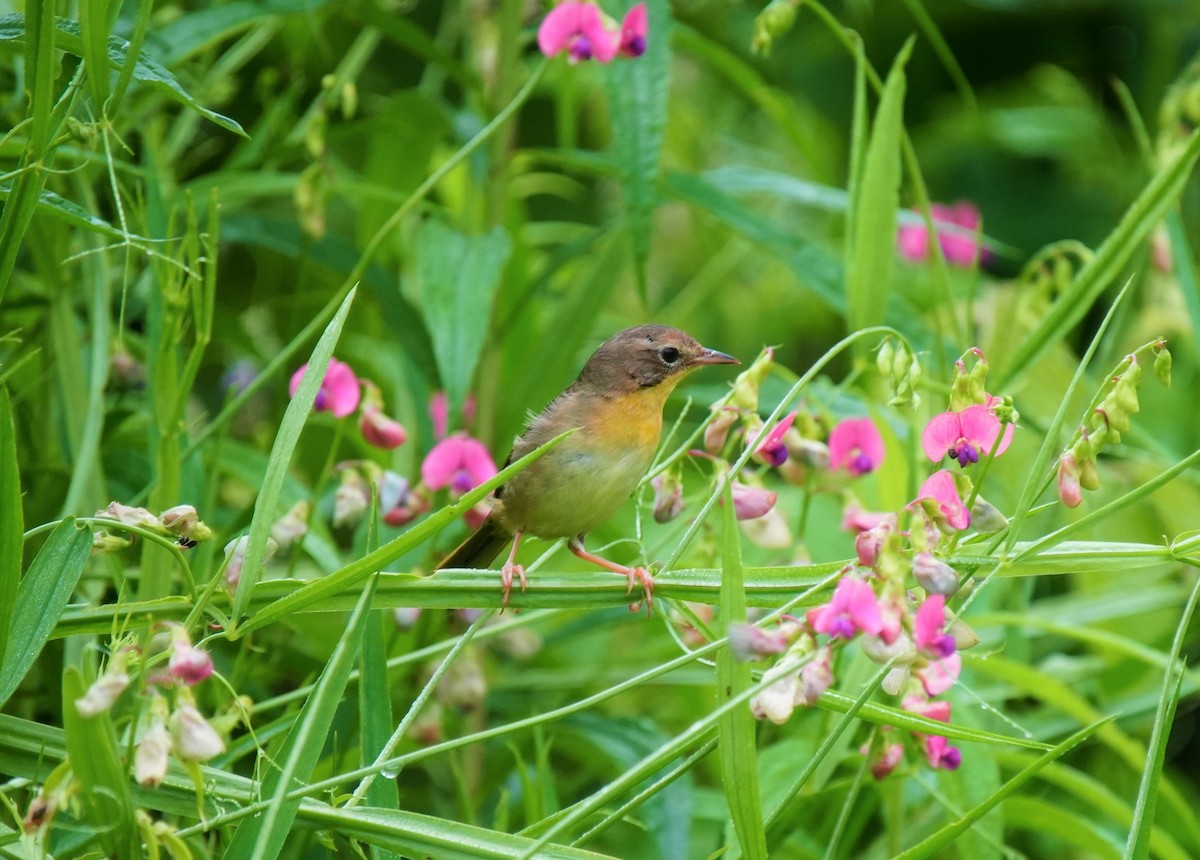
644	577
506	581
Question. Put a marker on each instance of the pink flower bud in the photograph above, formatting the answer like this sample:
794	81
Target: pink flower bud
193	737
868	544
749	643
380	430
668	496
150	757
351	499
1069	491
292	526
815	678
129	516
887	760
189	664
935	576
103	693
751	502
717	430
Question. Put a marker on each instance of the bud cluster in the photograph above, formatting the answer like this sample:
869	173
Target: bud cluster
899	367
181	524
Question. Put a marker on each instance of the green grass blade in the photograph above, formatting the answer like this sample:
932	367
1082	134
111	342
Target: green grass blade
459	276
935	842
1145	212
637	94
41	598
281	455
264	835
1138	845
872	221
93	24
12	524
738	752
96	762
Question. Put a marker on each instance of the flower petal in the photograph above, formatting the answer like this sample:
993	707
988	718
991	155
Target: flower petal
440	464
563	23
633	32
980	426
931	616
477	461
941	433
342	388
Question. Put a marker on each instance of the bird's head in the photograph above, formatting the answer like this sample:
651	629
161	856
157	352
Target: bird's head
647	356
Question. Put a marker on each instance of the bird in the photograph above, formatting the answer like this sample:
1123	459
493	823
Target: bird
615	406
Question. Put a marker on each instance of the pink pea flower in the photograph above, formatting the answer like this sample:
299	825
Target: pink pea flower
752	502
439	412
940	754
856	446
964	435
886	761
938	676
580	30
380	430
633	32
941	489
935	576
959	246
458	462
772	451
868	544
852	609
815	678
927	628
339	392
749	643
933	709
189	663
1070	492
668	496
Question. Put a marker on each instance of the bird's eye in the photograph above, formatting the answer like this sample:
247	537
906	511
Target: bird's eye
669	354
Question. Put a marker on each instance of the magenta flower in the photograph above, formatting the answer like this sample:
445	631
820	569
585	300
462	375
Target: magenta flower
960	245
1070	492
964	435
339	392
580	30
927	628
189	663
852	609
940	488
633	32
380	430
940	754
772	451
855	445
458	462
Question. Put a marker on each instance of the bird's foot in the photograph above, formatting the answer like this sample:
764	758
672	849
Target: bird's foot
506	581
646	579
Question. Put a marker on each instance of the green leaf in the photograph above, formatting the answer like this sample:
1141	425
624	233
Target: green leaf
178	39
93	23
1138	845
927	847
11	519
637	96
738	752
68	37
41	598
872	219
459	275
1145	212
265	506
96	763
263	835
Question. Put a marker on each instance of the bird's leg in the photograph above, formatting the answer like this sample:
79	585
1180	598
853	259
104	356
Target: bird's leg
633	574
510	569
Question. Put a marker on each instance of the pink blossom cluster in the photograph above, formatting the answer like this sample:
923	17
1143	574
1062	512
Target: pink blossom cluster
583	32
893	598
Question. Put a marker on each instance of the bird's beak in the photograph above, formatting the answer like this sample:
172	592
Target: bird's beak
711	356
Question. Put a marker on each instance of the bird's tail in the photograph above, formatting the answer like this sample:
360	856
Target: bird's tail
480	547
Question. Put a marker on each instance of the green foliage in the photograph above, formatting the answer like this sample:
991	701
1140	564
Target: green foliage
197	196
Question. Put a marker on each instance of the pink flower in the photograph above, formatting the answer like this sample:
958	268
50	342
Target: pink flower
933	709
633	32
940	754
855	445
941	489
855	519
668	496
380	430
439	412
458	462
748	642
927	628
189	664
717	430
888	760
938	675
772	451
815	678
579	29
339	392
964	435
868	544
752	502
960	246
852	609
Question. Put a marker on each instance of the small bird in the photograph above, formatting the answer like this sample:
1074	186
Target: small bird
616	405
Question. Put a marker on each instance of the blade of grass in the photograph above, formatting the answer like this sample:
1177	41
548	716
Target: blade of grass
281	456
935	842
41	598
263	835
12	523
736	730
1137	847
93	24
